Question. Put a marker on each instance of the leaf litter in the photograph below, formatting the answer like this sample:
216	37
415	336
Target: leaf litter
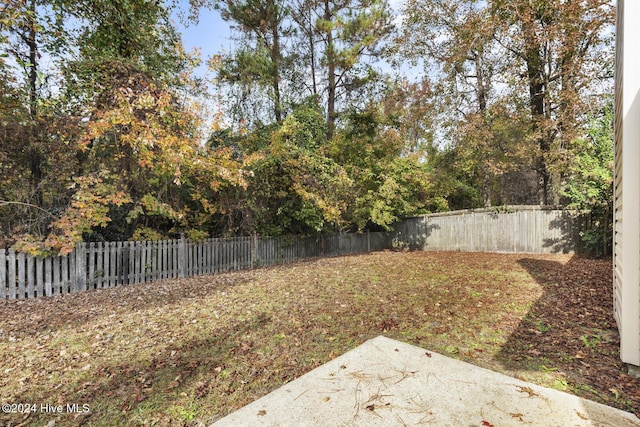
187	352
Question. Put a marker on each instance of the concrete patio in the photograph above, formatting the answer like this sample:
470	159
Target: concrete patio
385	382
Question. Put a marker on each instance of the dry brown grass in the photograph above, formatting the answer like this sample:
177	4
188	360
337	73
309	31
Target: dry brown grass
188	352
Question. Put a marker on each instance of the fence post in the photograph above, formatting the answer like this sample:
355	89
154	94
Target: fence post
182	256
368	241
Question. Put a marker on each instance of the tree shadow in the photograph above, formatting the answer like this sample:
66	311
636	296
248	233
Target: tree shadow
569	336
413	233
568	226
222	362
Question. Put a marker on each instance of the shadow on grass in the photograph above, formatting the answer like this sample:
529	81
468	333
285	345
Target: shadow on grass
568	339
222	367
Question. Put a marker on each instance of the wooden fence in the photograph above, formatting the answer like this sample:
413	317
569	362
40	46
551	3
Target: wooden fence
104	265
518	229
525	229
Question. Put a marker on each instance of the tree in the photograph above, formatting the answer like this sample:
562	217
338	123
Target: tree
293	187
456	41
560	50
34	130
261	57
539	63
349	32
382	150
589	184
129	132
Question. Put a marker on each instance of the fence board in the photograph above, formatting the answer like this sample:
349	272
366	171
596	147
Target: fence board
55	280
64	275
39	276
22	270
98	273
30	283
3	274
12	274
48	276
91	254
72	272
81	268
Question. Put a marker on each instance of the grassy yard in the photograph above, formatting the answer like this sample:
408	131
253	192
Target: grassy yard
188	352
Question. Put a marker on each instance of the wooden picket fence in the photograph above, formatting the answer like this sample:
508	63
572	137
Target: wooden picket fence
105	265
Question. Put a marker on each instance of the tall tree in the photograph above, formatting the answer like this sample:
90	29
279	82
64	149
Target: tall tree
33	127
560	50
351	34
264	27
552	57
117	137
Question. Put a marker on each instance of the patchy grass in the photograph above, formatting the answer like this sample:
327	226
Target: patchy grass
188	352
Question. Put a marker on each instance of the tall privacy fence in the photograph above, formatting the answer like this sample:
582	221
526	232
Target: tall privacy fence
517	229
104	265
527	229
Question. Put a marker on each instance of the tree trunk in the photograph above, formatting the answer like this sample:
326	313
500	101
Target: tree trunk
481	88
34	153
535	75
331	75
275	61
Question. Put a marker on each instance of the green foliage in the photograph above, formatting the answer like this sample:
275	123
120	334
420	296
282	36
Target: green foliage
388	185
110	136
293	187
589	186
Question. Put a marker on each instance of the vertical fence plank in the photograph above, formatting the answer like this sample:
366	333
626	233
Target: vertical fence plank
209	256
12	274
196	258
99	273
106	265
140	260
81	267
123	263
30	276
39	276
154	260
131	262
64	274
182	257
146	266
171	255
55	280
48	276
72	271
166	266
227	255
22	270
3	274
160	263
213	255
91	254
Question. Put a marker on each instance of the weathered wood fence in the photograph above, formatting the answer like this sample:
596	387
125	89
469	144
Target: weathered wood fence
524	229
104	265
518	229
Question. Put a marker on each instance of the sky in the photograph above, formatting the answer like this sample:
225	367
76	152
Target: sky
211	35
